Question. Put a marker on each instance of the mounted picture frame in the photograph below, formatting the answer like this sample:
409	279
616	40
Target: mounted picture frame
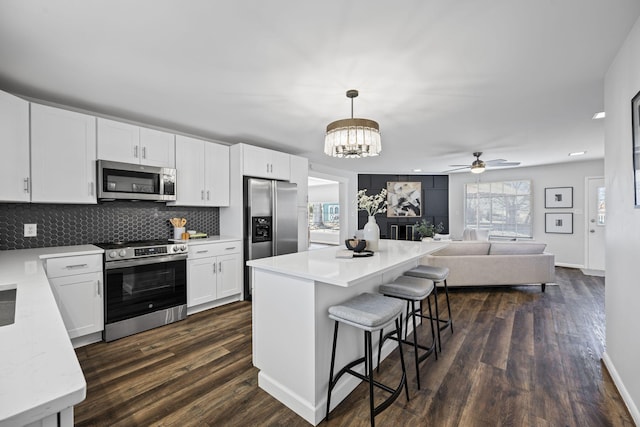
635	131
558	197
558	223
404	199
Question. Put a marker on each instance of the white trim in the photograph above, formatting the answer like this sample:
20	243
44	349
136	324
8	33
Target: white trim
589	272
617	381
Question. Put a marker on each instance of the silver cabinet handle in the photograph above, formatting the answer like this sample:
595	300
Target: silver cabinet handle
135	151
202	252
71	267
214	268
91	188
98	287
201	194
26	185
144	152
267	167
208	195
220	267
230	249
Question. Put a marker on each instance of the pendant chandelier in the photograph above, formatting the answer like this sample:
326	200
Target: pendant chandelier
352	138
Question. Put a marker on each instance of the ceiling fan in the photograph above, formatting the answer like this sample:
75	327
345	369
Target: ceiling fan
478	166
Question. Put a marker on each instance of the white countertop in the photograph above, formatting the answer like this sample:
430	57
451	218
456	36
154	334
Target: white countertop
211	239
39	371
323	266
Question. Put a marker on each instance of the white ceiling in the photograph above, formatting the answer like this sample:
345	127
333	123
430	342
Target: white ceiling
516	79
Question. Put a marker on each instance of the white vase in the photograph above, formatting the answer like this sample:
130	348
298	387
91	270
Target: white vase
371	234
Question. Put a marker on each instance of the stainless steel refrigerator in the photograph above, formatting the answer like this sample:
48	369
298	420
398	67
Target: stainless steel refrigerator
271	221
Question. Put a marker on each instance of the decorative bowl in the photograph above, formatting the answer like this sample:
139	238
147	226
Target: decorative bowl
356	245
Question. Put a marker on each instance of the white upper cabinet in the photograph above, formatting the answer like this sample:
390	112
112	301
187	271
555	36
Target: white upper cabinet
122	142
264	163
202	173
14	143
63	156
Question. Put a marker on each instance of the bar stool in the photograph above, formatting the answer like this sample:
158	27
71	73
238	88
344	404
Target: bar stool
368	312
412	289
437	274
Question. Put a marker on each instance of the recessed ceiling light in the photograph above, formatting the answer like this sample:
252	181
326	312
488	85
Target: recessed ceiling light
600	115
417	170
578	153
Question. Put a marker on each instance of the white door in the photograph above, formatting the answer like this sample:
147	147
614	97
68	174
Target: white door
189	172
157	148
14	143
79	300
228	275
596	224
216	174
118	142
201	286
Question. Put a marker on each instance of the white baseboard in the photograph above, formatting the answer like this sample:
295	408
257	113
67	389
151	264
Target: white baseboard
626	397
588	272
564	264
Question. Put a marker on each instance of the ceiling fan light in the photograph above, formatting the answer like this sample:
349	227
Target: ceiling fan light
477	166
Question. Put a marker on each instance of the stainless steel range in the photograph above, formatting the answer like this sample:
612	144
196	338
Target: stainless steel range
145	286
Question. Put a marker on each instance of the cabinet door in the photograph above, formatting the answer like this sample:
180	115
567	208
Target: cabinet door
201	283
119	142
189	172
280	166
256	161
157	148
216	174
303	228
14	143
63	156
79	300
228	275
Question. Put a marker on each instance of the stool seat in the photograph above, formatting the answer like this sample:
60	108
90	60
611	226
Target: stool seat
367	311
437	274
412	288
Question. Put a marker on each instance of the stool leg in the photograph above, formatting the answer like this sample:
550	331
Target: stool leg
333	359
369	373
435	293
404	370
415	341
433	332
446	291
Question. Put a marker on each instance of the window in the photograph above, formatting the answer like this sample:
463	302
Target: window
503	208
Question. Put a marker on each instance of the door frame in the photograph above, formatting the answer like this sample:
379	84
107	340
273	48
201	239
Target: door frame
587	199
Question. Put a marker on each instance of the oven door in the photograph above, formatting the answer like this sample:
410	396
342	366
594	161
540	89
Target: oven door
141	286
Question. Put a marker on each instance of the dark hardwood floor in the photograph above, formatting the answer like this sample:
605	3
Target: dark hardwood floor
518	357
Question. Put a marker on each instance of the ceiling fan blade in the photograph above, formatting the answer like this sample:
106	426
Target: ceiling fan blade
497	165
456	169
490	162
459	166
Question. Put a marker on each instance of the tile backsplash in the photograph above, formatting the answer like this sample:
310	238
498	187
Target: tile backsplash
63	225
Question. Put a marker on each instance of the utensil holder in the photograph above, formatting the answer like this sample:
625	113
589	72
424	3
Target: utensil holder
177	233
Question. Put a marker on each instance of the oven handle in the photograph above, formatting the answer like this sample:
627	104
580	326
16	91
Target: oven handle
144	261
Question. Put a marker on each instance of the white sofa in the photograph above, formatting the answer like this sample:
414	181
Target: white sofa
480	263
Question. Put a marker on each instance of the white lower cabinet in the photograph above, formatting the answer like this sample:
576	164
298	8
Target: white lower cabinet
77	286
213	273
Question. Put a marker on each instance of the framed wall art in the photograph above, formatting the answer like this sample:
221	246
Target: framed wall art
558	197
404	199
635	131
560	223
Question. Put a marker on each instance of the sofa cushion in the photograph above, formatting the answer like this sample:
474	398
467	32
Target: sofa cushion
464	248
516	248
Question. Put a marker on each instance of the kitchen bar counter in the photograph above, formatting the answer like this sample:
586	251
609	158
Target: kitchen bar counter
39	373
292	332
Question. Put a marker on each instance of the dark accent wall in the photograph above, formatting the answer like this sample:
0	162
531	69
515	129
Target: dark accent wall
63	225
435	200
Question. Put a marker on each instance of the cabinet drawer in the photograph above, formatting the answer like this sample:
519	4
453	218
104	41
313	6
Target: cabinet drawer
70	266
214	249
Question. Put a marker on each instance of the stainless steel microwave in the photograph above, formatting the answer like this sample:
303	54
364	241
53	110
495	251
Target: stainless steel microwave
125	181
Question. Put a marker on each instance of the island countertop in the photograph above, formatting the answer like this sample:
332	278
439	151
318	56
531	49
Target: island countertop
322	265
39	372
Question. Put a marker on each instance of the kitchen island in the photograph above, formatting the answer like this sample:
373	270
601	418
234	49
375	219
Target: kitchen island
292	332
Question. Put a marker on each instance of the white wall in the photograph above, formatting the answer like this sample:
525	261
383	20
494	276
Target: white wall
324	193
569	249
622	293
